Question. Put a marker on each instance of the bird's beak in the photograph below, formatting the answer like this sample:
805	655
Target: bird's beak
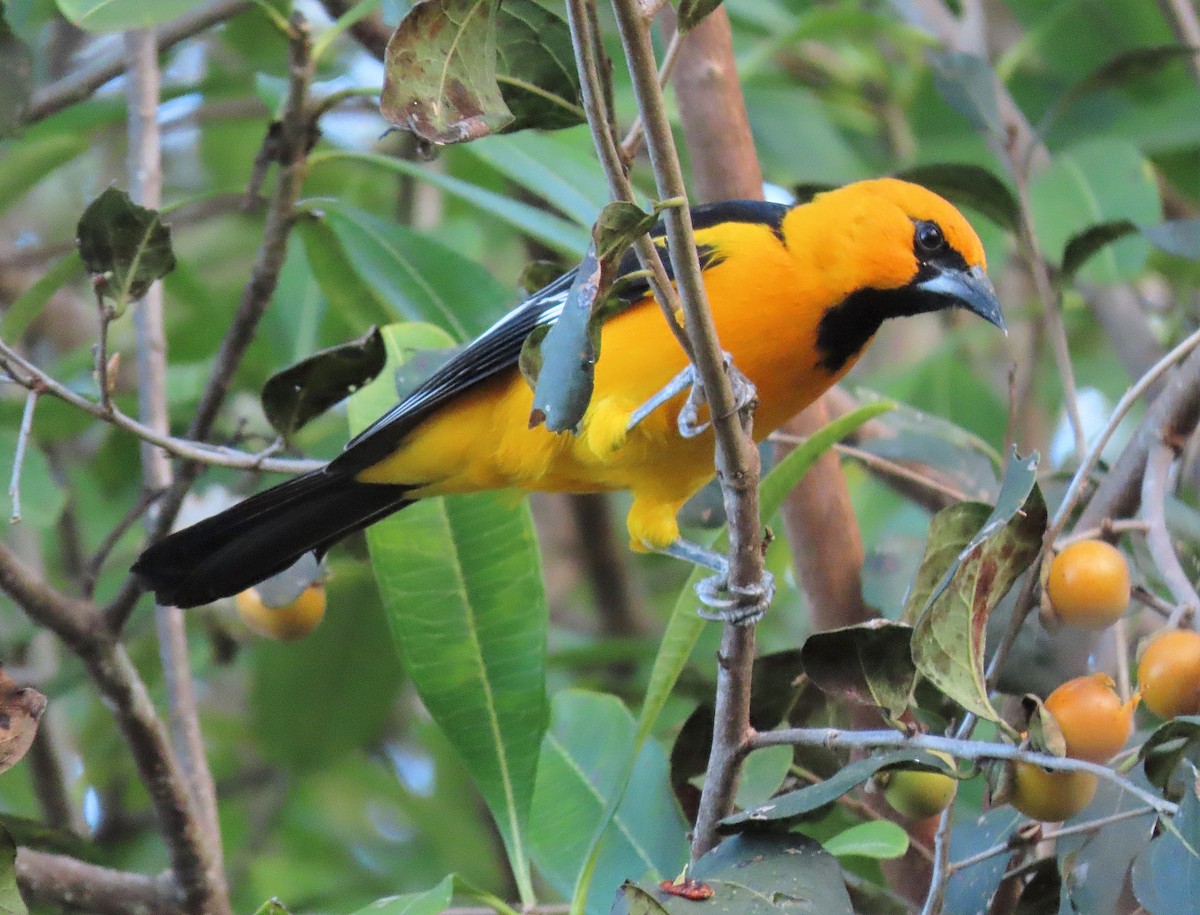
970	289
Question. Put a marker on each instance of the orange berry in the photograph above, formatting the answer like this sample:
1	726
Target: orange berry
1094	721
1088	584
1169	673
286	624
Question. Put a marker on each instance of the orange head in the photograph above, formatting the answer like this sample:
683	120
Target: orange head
887	248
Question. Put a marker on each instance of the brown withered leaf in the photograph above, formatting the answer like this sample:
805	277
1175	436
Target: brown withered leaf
21	710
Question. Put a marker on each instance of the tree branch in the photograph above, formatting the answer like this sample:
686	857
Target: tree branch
145	171
835	738
295	134
79	85
68	883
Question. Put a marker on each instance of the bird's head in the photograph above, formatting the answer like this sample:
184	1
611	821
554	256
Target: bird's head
887	248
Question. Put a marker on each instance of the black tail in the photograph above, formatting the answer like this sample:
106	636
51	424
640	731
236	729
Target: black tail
262	535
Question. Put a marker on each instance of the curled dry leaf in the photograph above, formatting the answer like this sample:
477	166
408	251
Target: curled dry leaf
21	710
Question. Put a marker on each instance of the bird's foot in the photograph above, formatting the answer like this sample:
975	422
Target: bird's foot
736	605
745	396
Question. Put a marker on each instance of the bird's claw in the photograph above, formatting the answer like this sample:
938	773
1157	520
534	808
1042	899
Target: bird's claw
737	605
745	396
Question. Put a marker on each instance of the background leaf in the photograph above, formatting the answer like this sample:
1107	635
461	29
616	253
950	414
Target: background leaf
440	72
124	247
590	738
293	396
461	580
870	663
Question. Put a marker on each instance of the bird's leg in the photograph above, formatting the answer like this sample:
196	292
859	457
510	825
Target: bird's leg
741	606
744	394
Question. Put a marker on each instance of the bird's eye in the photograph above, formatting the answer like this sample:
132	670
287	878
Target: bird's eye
930	238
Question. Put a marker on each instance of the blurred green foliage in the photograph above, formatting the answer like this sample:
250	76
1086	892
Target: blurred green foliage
334	787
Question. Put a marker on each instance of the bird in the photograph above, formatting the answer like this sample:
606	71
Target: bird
797	294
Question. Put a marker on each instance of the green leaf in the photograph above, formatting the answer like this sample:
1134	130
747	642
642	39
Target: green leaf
430	902
811	800
31	302
685	625
440	72
1090	241
461	581
272	907
1115	72
1097	182
318	699
770	874
124	247
870	663
948	636
293	396
776	685
762	774
1020	479
535	67
1166	875
416	277
880	839
42	497
591	738
16	78
1169	745
969	185
11	902
752	875
559	168
970	889
568	353
693	12
968	84
122	15
558	234
27	162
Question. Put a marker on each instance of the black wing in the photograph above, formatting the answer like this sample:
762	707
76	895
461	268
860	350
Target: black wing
498	347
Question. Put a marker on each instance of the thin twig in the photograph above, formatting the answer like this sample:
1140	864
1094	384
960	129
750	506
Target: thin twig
736	458
91	569
935	899
1148	598
1184	22
79	625
637	131
1124	405
14	484
1049	835
585	38
1172	397
294	137
1105	529
835	738
29	376
939	494
83	81
1051	302
1158	538
145	171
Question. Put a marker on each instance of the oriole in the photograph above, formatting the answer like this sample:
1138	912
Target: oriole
797	293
